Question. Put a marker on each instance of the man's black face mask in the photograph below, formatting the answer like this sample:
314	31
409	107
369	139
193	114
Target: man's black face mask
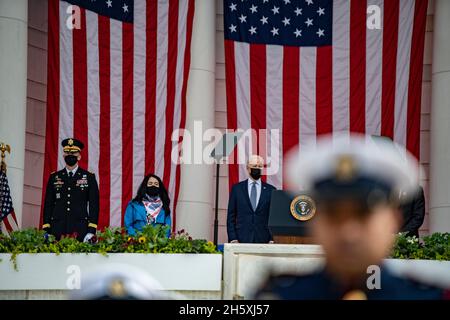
255	173
71	160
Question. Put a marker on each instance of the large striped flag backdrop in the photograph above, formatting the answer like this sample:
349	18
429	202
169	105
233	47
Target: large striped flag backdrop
314	67
117	81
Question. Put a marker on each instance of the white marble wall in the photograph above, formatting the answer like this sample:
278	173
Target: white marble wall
62	295
246	266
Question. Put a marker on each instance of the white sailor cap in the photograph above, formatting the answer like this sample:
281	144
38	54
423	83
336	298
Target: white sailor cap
363	167
119	282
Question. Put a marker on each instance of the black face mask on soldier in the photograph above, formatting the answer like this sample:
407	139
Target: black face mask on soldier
71	160
255	173
152	191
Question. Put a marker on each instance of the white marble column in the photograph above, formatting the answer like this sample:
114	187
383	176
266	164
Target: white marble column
195	203
13	91
440	121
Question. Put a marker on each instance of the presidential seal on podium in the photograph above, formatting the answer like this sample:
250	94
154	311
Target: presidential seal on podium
303	208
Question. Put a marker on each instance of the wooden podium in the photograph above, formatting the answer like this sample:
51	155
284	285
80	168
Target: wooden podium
286	227
293	240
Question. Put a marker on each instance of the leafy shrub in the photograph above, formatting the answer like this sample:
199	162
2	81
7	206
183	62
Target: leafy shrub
433	247
111	240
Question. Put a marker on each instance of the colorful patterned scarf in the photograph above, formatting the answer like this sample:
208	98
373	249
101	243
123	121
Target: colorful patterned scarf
153	206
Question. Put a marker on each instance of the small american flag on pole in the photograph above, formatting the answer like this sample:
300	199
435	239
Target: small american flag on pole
312	67
8	220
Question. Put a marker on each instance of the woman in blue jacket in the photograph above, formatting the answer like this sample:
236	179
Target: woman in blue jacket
151	206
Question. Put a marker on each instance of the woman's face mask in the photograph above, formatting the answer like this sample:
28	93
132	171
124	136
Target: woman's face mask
152	191
152	187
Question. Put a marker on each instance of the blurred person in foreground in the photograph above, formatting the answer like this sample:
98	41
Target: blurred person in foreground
356	184
120	282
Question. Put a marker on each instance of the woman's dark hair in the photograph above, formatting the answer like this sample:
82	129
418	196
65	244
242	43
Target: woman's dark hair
163	194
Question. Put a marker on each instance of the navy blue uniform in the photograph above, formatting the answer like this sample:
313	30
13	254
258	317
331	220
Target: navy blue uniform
321	286
244	224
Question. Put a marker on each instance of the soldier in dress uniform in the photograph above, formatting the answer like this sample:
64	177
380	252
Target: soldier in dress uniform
356	184
71	198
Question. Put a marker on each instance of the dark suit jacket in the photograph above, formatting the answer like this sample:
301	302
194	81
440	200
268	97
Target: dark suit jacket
413	214
244	224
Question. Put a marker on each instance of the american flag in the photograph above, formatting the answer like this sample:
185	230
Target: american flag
8	220
312	67
118	83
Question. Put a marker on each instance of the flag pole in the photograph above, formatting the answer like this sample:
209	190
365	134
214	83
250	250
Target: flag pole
3	149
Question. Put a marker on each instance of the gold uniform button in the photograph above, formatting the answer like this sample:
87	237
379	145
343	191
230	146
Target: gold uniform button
68	188
68	196
68	202
68	209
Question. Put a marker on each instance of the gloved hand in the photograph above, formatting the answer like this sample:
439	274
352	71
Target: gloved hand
88	237
47	233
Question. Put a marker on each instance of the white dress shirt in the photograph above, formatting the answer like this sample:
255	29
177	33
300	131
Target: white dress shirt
74	170
258	189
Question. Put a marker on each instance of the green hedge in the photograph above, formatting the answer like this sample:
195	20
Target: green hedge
154	240
111	240
433	247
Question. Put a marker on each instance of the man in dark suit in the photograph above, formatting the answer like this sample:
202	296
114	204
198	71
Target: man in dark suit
413	214
71	198
248	207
